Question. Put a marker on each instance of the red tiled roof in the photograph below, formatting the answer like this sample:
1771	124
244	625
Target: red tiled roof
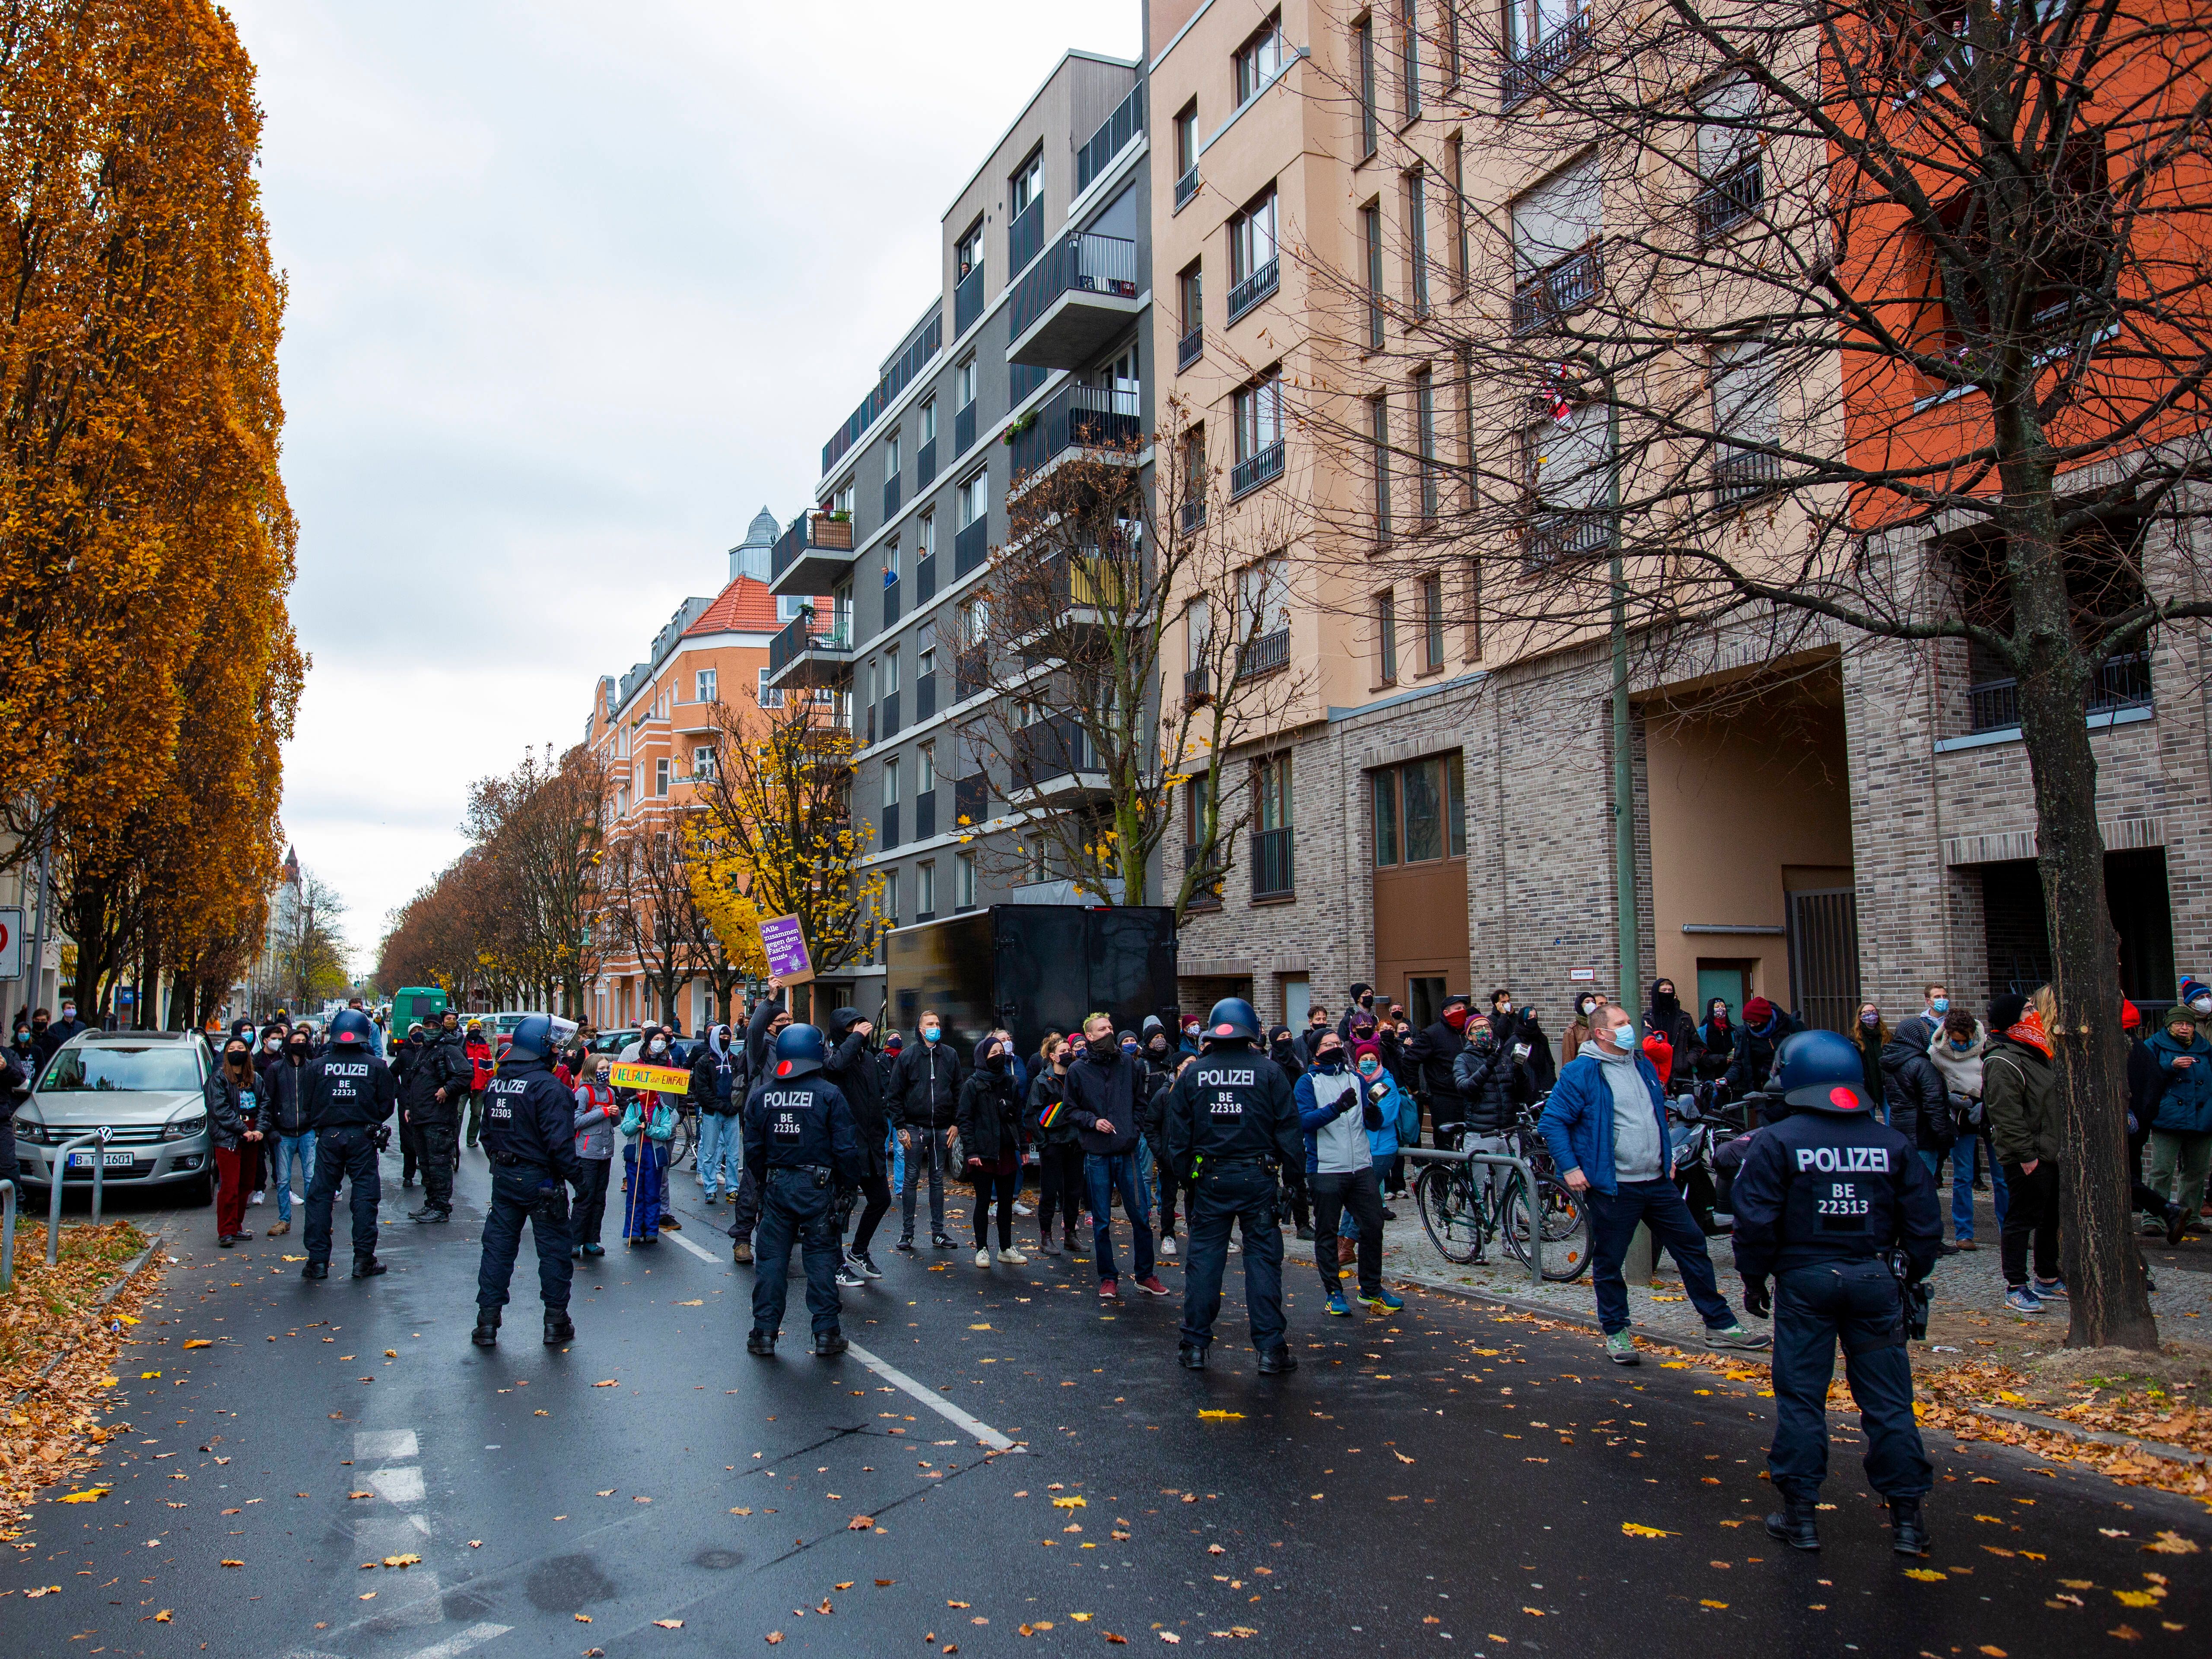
745	606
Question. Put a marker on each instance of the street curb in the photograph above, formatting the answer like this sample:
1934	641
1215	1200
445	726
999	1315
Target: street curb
2100	1437
108	1292
1529	1304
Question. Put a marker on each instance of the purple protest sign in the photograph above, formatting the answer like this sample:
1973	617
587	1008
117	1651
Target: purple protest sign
785	942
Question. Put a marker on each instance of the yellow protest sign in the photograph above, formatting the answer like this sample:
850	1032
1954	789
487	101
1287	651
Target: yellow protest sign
661	1080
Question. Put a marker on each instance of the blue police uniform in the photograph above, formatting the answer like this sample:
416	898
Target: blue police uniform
347	1097
1823	1198
1231	1122
801	1133
529	1135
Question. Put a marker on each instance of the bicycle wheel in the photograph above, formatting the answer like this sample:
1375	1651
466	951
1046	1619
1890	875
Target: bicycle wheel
1447	1213
1562	1227
687	1139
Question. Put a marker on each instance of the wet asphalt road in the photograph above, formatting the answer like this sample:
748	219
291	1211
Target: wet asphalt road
1444	1481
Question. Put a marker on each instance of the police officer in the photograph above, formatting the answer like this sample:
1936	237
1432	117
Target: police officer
800	1133
347	1096
1231	1123
529	1136
1823	1197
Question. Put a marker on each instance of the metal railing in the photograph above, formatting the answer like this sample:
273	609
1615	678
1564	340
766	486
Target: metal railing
1080	262
1519	77
922	345
1743	475
1207	897
890	837
925	697
1112	136
809	532
1565	532
1445	1155
1272	863
1267	654
924	580
968	300
7	1234
1194	689
924	815
2123	682
1075	416
1189	348
57	1176
891	723
890	602
1254	288
964	431
971	800
1193	515
1026	236
1730	199
1564	286
890	496
969	673
800	633
1186	186
1256	470
970	547
1055	747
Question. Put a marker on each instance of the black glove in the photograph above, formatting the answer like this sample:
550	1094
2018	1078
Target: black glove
383	1136
1757	1299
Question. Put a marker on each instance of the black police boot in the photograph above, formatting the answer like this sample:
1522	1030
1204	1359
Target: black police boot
1274	1362
1193	1356
829	1344
1908	1530
316	1270
557	1328
487	1331
1796	1523
762	1343
429	1212
369	1268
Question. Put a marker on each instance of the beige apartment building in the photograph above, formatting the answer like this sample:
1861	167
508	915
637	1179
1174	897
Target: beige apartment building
1432	809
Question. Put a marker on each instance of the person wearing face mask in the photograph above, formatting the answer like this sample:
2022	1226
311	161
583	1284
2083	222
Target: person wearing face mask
1917	1103
1668	1018
1385	1114
766	1023
1359	1003
67	1027
1606	1122
714	1085
1316	1022
1758	1039
430	1105
1716	1041
2196	998
2181	1123
480	1074
1103	1099
1578	1033
649	1120
1433	1052
852	1068
1059	1155
991	1146
235	1099
1956	1054
1334	1107
598	1111
1870	1036
412	1078
926	1098
285	1126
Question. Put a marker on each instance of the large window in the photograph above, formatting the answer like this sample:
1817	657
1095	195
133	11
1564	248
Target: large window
703	686
1417	239
925	890
1258	411
1556	228
1432	623
1026	186
892	781
1748	408
1259	60
1371	236
925	768
1264	590
968	252
1424	422
1530	23
703	761
1421	811
974	498
1731	186
1185	138
660	769
1378	439
929	421
1362	65
1462	254
768	697
1271	792
1252	244
1386	636
964	385
963	880
1409	57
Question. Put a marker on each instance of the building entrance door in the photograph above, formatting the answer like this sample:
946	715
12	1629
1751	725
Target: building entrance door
1824	958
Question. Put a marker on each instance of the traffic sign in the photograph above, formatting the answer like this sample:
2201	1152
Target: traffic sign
11	944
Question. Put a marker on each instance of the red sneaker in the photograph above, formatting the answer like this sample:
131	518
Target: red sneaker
1109	1288
1152	1285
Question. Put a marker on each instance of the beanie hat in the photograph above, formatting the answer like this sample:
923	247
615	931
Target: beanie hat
2193	988
2131	1015
2005	1011
1151	1025
1757	1011
1361	1050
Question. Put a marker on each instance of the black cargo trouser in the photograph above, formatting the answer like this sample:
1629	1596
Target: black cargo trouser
1857	1304
437	1141
346	1154
543	1197
1222	1197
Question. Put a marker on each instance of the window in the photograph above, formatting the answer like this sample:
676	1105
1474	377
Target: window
1193	477
963	880
891	908
840	499
1417	239
840	612
968	252
1378	434
660	769
964	385
1270	837
1026	186
1363	61
1252	237
1198	628
1432	623
1190	293
1185	138
1555	247
1421	811
1409	57
925	665
1265	593
1258	411
703	761
768	697
788	605
929	421
1371	235
892	781
975	622
1746	407
1456	152
1271	789
890	562
703	686
1259	60
1450	41
1425	414
1530	23
925	536
925	889
1564	465
925	767
892	671
974	498
1730	183
1386	636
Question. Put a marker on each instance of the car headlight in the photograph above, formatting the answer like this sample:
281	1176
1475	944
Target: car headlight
184	1128
31	1130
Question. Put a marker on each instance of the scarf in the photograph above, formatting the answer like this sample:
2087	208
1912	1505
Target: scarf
2030	1031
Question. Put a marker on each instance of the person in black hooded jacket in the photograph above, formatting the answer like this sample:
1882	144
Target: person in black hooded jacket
1285	1052
990	1123
925	1104
1913	1095
1669	1017
853	1068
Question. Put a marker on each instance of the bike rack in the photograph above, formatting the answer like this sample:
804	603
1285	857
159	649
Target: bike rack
57	1176
1442	1155
7	1234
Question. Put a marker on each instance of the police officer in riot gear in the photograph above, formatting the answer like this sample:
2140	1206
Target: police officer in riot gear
800	1133
1231	1123
347	1096
1826	1199
529	1137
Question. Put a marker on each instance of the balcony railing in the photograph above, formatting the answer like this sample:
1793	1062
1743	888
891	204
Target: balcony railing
1272	869
969	673
1075	416
1268	653
801	634
811	532
971	801
1113	136
889	707
1194	692
1080	262
925	697
921	346
890	602
1026	236
1564	286
963	431
925	465
890	496
1730	199
2123	682
924	580
968	300
890	825
970	547
1186	187
1189	348
1054	747
1254	288
1208	895
1256	470
924	815
1553	533
1194	514
1744	474
1520	76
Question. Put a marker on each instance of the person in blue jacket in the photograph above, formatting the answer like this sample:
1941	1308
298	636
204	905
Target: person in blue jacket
1385	1108
1606	1123
1340	1118
2181	1128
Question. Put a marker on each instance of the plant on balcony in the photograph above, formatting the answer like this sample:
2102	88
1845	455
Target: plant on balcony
1018	425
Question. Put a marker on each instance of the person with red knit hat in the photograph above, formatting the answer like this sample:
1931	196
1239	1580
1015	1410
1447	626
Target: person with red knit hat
1750	1062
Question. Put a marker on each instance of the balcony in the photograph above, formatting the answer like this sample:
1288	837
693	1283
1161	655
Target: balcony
963	431
1743	475
925	465
968	300
970	547
1026	236
969	673
890	497
1189	348
1072	304
1053	758
1186	187
921	346
1729	200
1562	287
924	580
1520	77
811	557
1550	534
809	654
1193	515
2123	682
971	801
1114	136
1264	653
1207	898
924	815
1195	690
1254	471
1075	417
1272	864
1254	288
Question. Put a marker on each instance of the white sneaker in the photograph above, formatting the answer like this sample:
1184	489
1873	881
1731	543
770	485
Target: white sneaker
1167	1247
255	1198
1021	1208
1014	1257
983	1258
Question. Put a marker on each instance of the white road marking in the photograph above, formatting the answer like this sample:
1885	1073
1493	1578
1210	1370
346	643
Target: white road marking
703	1255
944	1407
385	1445
400	1486
474	1636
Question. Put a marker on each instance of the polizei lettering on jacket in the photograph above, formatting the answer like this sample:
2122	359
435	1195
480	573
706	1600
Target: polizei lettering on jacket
497	1104
1840	1160
345	1068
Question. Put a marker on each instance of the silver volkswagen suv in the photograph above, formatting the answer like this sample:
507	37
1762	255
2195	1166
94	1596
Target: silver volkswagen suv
144	1086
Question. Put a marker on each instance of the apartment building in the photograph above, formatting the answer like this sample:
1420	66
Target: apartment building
654	727
1036	341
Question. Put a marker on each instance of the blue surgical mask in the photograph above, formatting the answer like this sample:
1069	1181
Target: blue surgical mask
1128	1048
1941	1005
1624	1036
929	1034
1369	1066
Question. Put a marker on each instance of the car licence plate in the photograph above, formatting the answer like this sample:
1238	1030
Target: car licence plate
114	1160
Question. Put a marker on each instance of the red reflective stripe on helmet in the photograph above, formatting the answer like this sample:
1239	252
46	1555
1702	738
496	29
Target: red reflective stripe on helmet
1843	1095
783	1068
1224	1030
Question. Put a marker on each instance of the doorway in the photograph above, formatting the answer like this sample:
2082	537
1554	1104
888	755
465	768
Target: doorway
1728	978
1425	1000
1298	997
2016	925
1824	956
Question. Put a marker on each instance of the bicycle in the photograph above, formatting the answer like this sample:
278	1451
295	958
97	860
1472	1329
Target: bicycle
684	1143
1462	1215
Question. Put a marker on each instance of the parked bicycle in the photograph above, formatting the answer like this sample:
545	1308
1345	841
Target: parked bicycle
1465	1206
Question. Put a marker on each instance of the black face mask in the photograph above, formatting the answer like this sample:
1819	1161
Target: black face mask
1329	1060
297	1050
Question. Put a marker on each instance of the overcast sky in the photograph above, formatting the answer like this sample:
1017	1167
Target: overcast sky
575	290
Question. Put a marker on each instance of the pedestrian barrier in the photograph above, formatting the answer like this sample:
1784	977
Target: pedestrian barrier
7	1234
57	1176
1444	1155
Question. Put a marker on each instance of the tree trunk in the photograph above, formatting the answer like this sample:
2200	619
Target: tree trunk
183	998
